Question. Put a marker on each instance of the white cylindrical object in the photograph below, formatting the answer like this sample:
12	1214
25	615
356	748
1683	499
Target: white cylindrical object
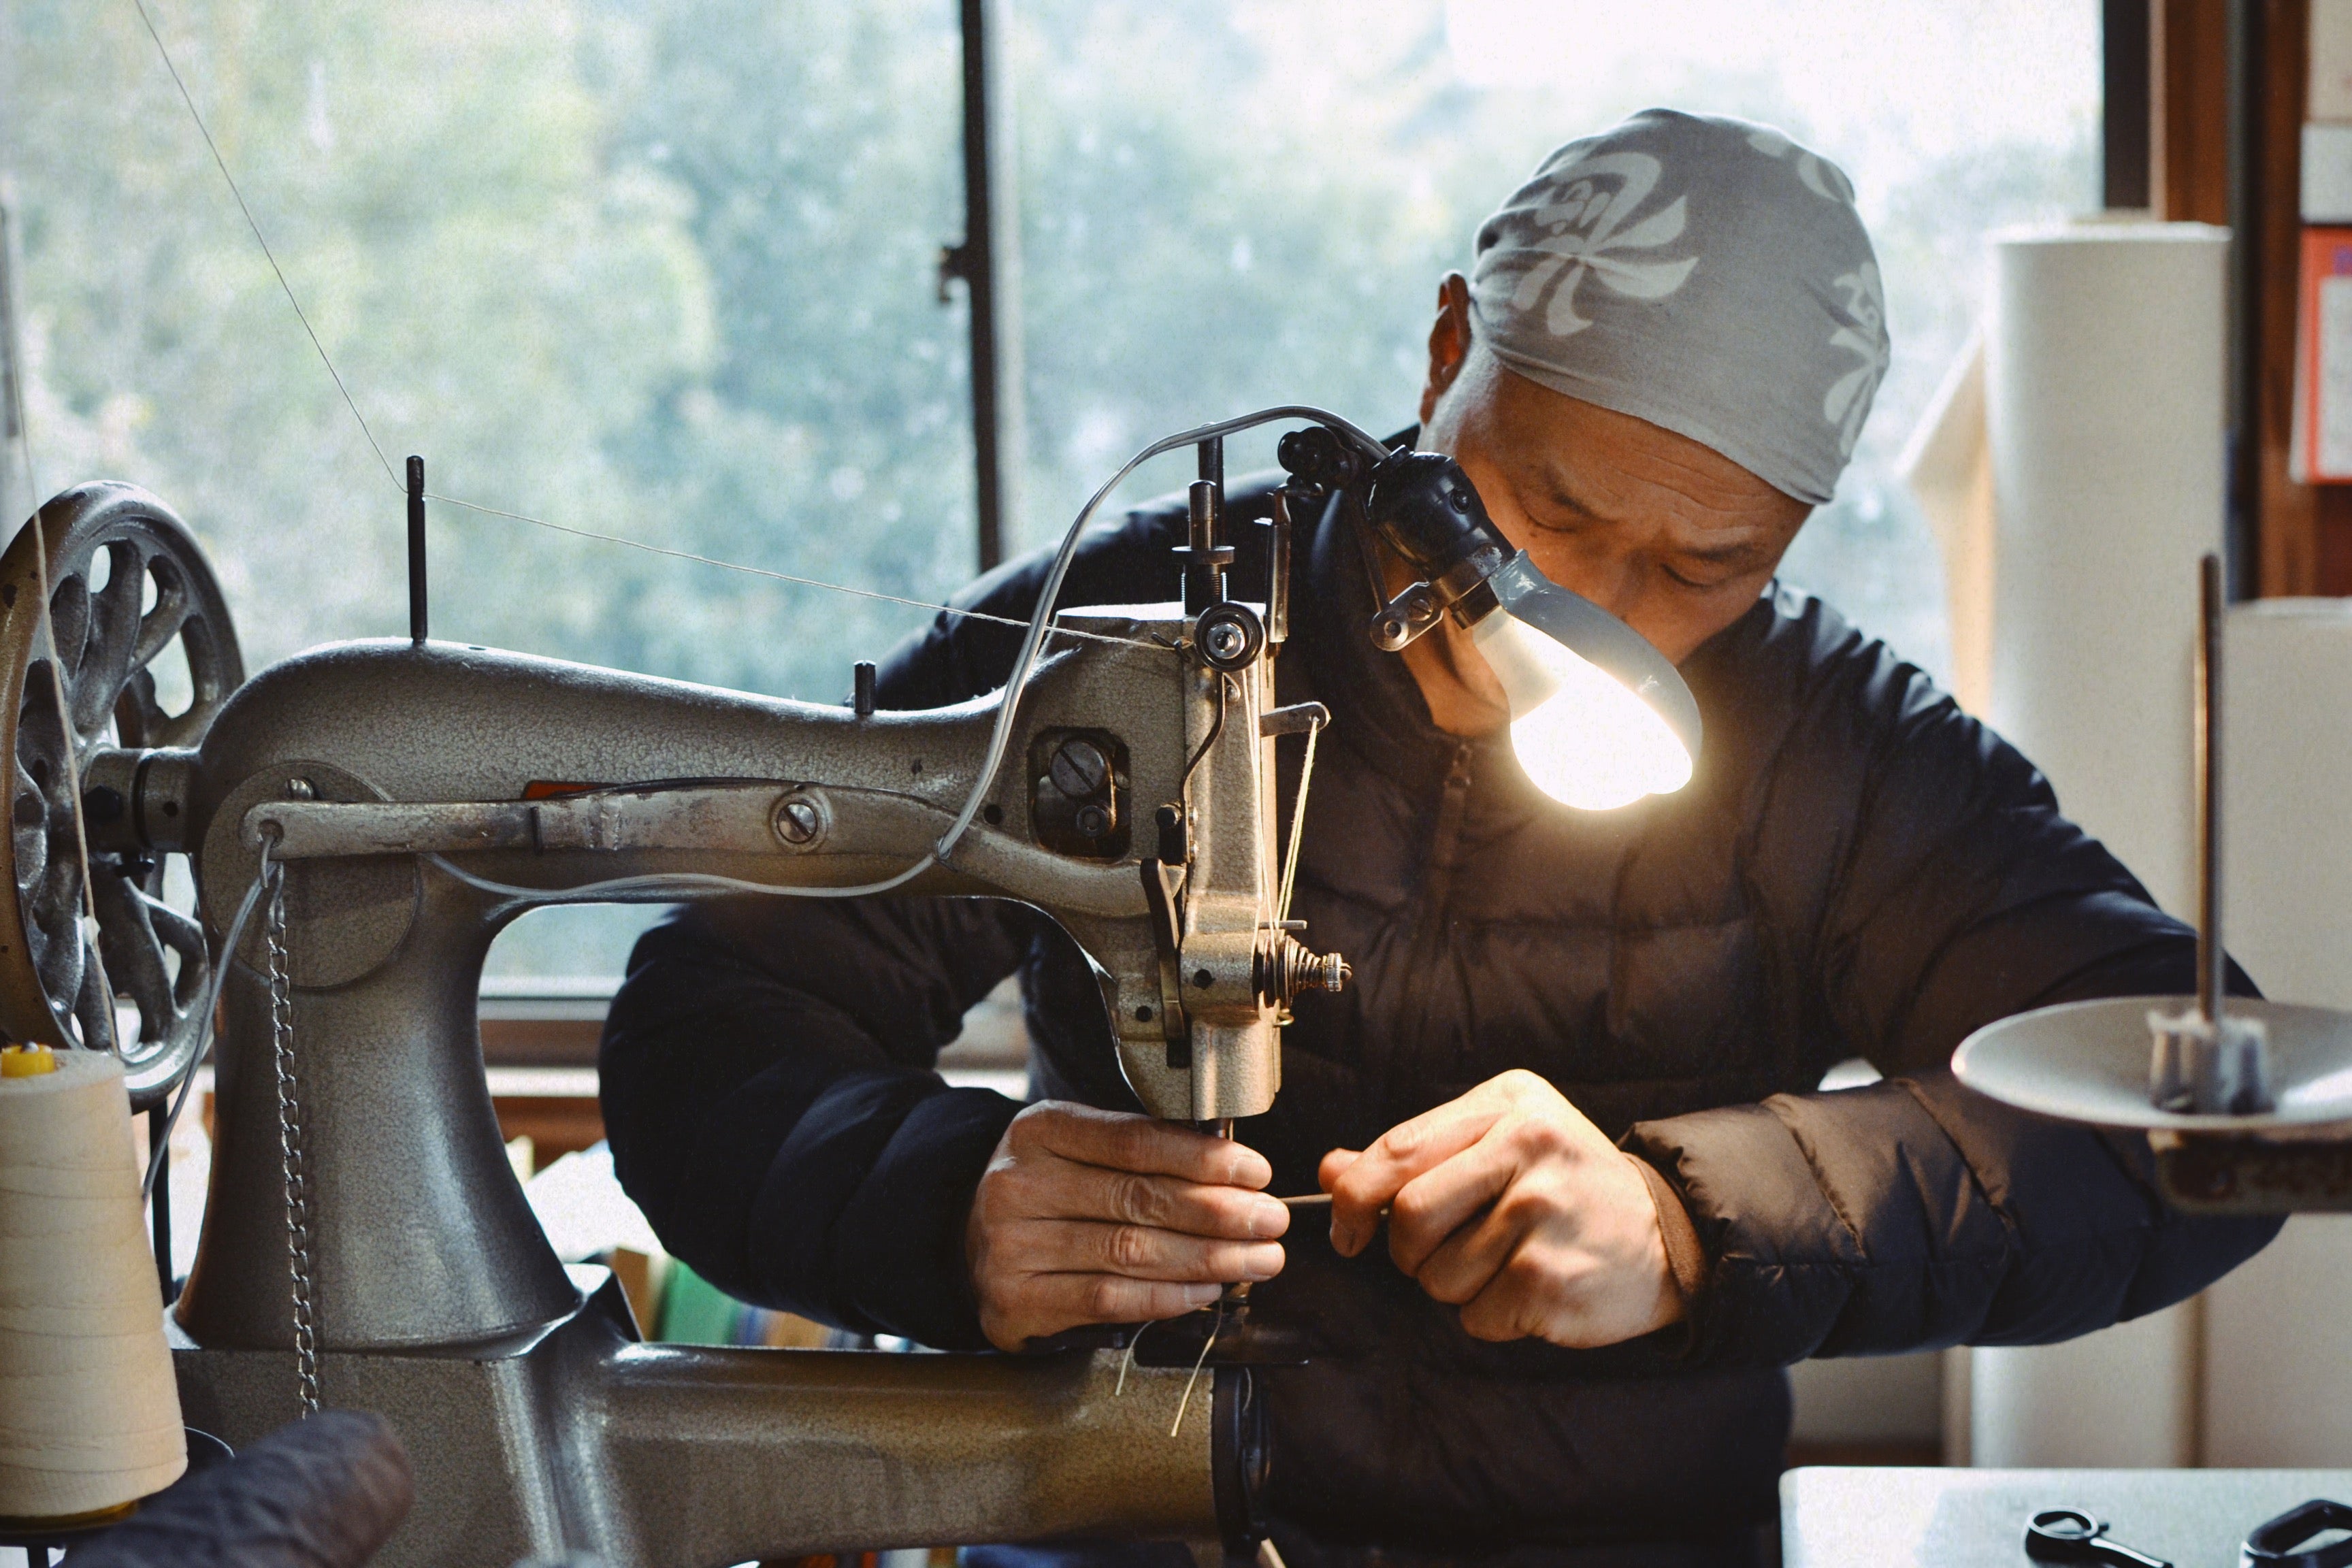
2104	405
89	1415
2106	412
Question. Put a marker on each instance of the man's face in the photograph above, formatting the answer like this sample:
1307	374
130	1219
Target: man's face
1672	537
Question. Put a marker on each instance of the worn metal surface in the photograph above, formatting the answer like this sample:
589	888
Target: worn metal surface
580	1440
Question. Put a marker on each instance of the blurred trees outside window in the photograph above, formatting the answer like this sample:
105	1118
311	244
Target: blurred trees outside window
667	268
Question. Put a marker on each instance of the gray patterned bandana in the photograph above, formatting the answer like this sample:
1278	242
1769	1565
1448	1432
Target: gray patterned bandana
1703	274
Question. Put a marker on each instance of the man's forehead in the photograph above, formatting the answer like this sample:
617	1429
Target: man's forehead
1741	536
1592	463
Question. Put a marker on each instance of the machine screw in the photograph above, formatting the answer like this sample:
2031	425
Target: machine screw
1079	770
302	789
1093	821
1226	641
799	821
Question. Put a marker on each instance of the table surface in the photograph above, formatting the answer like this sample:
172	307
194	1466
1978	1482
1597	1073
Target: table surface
1891	1518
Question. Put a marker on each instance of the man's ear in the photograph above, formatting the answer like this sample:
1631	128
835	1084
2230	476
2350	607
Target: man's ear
1449	342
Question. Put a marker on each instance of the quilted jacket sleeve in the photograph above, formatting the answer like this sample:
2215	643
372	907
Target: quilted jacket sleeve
1913	1213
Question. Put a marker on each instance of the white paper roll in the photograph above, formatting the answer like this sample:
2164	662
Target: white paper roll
89	1414
2105	407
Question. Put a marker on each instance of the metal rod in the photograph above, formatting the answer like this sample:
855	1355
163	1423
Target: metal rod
2210	955
989	263
1277	570
417	618
2126	59
159	1131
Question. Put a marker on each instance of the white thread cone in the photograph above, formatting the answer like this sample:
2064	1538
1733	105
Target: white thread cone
89	1414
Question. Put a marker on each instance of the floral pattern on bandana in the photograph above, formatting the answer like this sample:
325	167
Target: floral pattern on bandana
1582	231
1847	403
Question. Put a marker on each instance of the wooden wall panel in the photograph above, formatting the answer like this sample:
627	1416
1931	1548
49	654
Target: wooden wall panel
2190	138
2293	516
2302	533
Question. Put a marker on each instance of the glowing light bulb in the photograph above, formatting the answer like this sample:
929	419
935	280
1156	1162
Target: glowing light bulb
1583	737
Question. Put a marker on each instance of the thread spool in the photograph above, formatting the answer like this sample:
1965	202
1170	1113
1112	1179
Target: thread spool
89	1414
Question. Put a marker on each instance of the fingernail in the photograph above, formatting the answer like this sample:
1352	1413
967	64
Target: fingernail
1261	1262
1202	1295
1268	1217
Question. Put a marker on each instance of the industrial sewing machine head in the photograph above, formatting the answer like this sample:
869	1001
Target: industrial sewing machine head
360	820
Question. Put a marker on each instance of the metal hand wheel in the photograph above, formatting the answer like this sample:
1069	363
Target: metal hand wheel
127	584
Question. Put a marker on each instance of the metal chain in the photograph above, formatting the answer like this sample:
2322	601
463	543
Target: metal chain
289	1139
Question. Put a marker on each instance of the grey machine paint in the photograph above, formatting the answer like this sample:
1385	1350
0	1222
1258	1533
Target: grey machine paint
380	771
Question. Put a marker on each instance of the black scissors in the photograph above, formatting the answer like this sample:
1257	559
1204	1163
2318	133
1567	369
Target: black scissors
2286	1542
2069	1535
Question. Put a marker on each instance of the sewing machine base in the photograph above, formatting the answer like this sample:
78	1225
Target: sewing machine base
581	1438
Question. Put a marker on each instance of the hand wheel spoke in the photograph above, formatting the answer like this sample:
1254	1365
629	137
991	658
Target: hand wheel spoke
133	952
61	965
182	935
93	1005
173	605
113	638
69	618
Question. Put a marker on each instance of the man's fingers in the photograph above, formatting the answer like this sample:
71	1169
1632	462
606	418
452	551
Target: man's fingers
1505	1310
1464	1264
1082	1191
1050	1303
1441	1201
1136	1252
1122	1141
1371	1182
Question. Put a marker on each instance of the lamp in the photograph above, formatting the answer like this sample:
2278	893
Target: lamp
1599	717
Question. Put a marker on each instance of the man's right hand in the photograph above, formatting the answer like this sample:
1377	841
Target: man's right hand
1100	1216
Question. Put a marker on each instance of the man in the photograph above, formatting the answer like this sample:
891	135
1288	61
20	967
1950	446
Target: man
1578	1063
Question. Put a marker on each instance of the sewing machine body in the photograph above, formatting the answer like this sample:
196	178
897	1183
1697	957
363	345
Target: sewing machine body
386	944
421	795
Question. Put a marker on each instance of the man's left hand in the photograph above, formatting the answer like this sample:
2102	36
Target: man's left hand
1511	1204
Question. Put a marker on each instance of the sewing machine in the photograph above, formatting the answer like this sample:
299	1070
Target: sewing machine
366	1242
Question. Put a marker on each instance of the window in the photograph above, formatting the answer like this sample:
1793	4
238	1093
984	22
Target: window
668	269
1237	205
